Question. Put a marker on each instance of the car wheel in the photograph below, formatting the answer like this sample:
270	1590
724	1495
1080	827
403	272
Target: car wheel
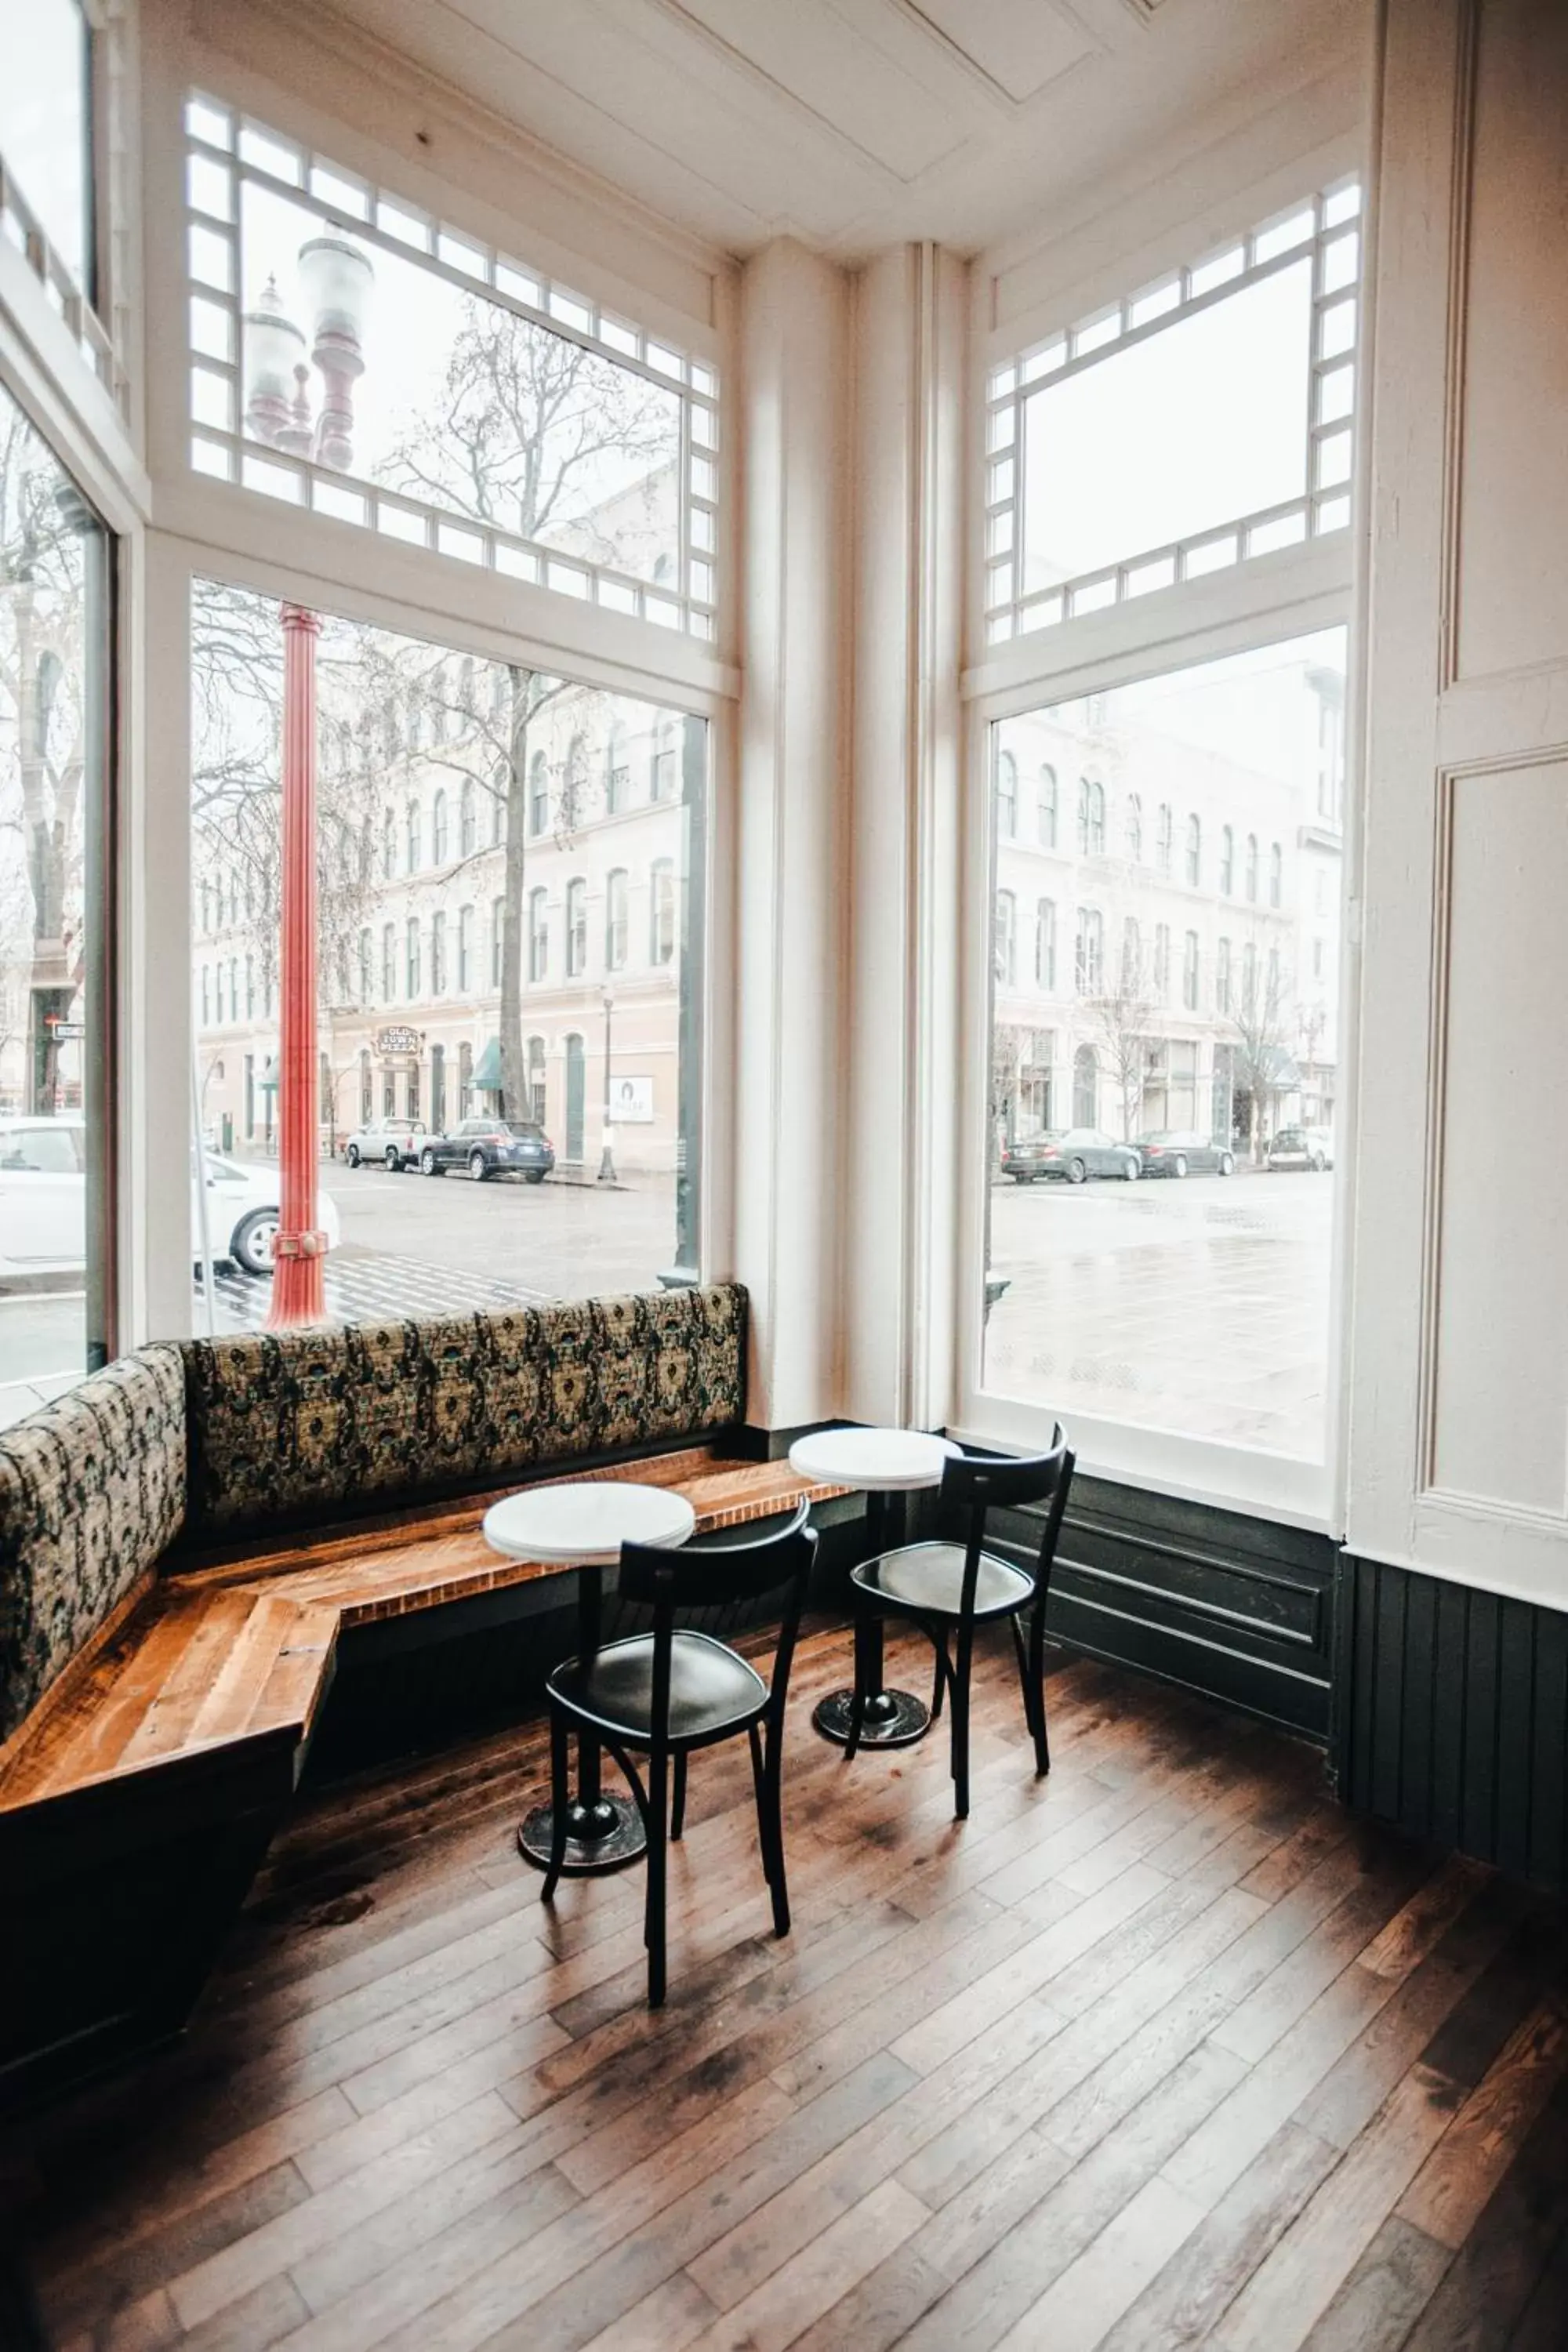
1020	1178
351	1155
255	1238
428	1164
537	1177
1226	1164
393	1161
1077	1171
477	1167
1179	1164
1133	1169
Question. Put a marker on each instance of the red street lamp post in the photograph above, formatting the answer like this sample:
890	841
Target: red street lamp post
336	277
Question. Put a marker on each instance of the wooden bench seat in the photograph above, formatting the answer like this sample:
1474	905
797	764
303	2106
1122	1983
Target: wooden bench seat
242	1650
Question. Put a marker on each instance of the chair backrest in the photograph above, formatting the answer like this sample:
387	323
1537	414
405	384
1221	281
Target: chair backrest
679	1582
975	1482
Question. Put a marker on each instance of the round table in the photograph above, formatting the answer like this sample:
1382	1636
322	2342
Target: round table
886	1465
583	1523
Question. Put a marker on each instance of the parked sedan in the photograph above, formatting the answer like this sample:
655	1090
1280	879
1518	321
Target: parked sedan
1302	1147
1071	1153
393	1143
1184	1151
490	1147
43	1203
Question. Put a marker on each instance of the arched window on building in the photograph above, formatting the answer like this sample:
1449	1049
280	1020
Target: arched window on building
388	962
615	920
1162	838
1251	883
576	927
498	940
536	1080
661	912
365	966
1222	977
1195	851
666	761
1086	1087
1190	971
538	935
538	794
468	819
1276	874
617	770
1248	980
1007	796
414	833
1131	957
1097	820
1089	953
1226	859
1162	971
464	951
1045	944
465	1080
1007	940
388	846
1134	829
438	954
1047	802
438	830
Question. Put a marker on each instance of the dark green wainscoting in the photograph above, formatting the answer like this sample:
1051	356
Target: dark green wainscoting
1238	1608
1451	1716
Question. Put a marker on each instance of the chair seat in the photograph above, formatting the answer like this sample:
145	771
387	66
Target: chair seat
712	1690
929	1578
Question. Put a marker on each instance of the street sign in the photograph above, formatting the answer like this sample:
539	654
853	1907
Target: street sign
64	1031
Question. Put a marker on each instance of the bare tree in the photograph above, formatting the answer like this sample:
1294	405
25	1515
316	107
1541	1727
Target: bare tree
1261	1026
1122	1020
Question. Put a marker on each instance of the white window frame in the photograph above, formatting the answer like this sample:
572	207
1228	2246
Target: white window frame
1288	592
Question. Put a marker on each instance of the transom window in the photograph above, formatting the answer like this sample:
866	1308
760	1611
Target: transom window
1201	421
354	355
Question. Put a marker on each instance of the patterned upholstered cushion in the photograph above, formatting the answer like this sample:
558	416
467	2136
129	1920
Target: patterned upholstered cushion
285	1427
92	1489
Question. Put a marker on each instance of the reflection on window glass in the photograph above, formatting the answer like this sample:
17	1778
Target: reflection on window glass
54	656
1161	1116
46	135
522	1073
1193	426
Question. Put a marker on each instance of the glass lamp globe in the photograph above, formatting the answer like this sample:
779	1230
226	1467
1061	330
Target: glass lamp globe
274	348
336	277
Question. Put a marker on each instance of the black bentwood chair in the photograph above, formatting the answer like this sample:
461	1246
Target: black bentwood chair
941	1586
674	1690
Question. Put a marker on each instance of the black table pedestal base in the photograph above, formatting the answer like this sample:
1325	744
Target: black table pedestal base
893	1719
604	1835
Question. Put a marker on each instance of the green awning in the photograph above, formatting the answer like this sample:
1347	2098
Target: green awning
487	1069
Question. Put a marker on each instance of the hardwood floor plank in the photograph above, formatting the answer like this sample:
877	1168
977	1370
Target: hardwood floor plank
1448	2194
1385	2294
1080	2307
810	2281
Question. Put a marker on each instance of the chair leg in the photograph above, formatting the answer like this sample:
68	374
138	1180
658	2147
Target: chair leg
654	1910
960	1723
774	1783
560	1796
939	1678
678	1811
1021	1659
759	1785
1038	1685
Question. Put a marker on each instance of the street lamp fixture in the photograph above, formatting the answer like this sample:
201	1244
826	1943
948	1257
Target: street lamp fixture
607	1163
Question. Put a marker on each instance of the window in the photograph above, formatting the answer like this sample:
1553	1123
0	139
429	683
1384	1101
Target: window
536	1080
389	845
46	129
1046	805
465	1080
1089	961
413	835
498	941
438	830
662	891
1162	839
1090	818
1202	420
598	501
538	935
365	966
438	954
615	920
411	968
1134	830
1190	971
538	794
388	962
206	996
412	1093
1276	873
464	951
249	987
1229	743
234	988
576	927
1045	944
666	761
617	772
1007	796
1005	954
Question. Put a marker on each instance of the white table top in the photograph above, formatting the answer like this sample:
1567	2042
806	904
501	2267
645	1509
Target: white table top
883	1461
584	1522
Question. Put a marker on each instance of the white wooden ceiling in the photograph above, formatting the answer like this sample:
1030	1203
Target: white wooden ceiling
854	124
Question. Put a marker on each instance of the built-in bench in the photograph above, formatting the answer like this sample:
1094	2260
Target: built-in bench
187	1539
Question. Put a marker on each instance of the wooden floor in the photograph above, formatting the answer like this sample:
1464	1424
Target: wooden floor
1163	2052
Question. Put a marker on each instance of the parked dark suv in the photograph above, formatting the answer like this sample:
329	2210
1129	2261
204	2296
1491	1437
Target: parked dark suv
1184	1151
491	1147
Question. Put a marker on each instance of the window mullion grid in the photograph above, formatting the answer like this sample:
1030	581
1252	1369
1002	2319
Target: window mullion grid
61	292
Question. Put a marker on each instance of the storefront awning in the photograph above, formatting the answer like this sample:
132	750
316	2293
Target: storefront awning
487	1069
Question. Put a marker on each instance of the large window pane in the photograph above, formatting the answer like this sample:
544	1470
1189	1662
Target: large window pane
1163	1097
509	950
46	127
53	655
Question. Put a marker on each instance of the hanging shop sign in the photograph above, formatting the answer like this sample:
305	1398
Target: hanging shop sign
394	1042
